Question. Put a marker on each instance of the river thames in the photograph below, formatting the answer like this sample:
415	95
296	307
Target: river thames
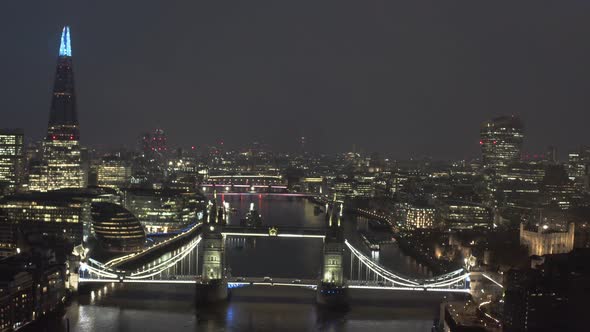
151	307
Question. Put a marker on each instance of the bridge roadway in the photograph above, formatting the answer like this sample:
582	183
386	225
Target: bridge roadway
237	282
278	231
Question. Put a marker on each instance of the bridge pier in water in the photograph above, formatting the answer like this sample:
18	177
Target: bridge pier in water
212	288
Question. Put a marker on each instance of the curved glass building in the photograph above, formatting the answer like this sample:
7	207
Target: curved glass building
116	229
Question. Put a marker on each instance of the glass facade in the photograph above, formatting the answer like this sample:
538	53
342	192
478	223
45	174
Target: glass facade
465	215
116	229
113	173
11	160
163	211
61	166
501	141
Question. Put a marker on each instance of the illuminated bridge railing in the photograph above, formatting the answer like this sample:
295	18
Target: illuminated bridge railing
134	256
387	279
163	269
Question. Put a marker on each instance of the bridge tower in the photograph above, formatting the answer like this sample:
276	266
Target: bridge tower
332	290
212	287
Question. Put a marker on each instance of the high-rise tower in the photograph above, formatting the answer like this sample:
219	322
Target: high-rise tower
501	141
61	166
11	160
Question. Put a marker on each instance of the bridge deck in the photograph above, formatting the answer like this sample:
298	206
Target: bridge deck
269	230
288	282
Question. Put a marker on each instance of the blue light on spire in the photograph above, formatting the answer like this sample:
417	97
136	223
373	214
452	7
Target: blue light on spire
65	47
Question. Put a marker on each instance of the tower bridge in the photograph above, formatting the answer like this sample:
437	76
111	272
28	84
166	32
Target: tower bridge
202	262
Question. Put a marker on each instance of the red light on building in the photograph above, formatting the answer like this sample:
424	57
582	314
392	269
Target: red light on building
495	142
480	142
193	147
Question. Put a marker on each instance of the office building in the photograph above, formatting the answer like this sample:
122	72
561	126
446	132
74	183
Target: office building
11	160
116	229
417	215
456	215
113	172
501	141
163	211
44	213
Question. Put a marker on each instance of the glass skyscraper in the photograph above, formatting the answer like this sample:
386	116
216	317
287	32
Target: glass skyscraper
501	141
11	160
61	166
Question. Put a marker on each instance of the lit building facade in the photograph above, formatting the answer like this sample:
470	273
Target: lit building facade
45	214
558	190
116	229
11	160
415	215
547	241
577	167
163	211
420	217
61	165
501	141
464	215
113	173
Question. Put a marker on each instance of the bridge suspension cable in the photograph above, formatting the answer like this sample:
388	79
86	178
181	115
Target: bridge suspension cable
101	270
444	280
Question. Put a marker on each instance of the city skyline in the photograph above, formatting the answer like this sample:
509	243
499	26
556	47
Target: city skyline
287	87
308	166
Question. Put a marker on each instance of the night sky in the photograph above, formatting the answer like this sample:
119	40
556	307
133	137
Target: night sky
406	78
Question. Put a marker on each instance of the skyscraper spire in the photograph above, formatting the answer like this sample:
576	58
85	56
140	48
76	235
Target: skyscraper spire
63	117
65	47
61	167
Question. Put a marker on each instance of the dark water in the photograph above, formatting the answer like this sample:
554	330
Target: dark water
148	307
